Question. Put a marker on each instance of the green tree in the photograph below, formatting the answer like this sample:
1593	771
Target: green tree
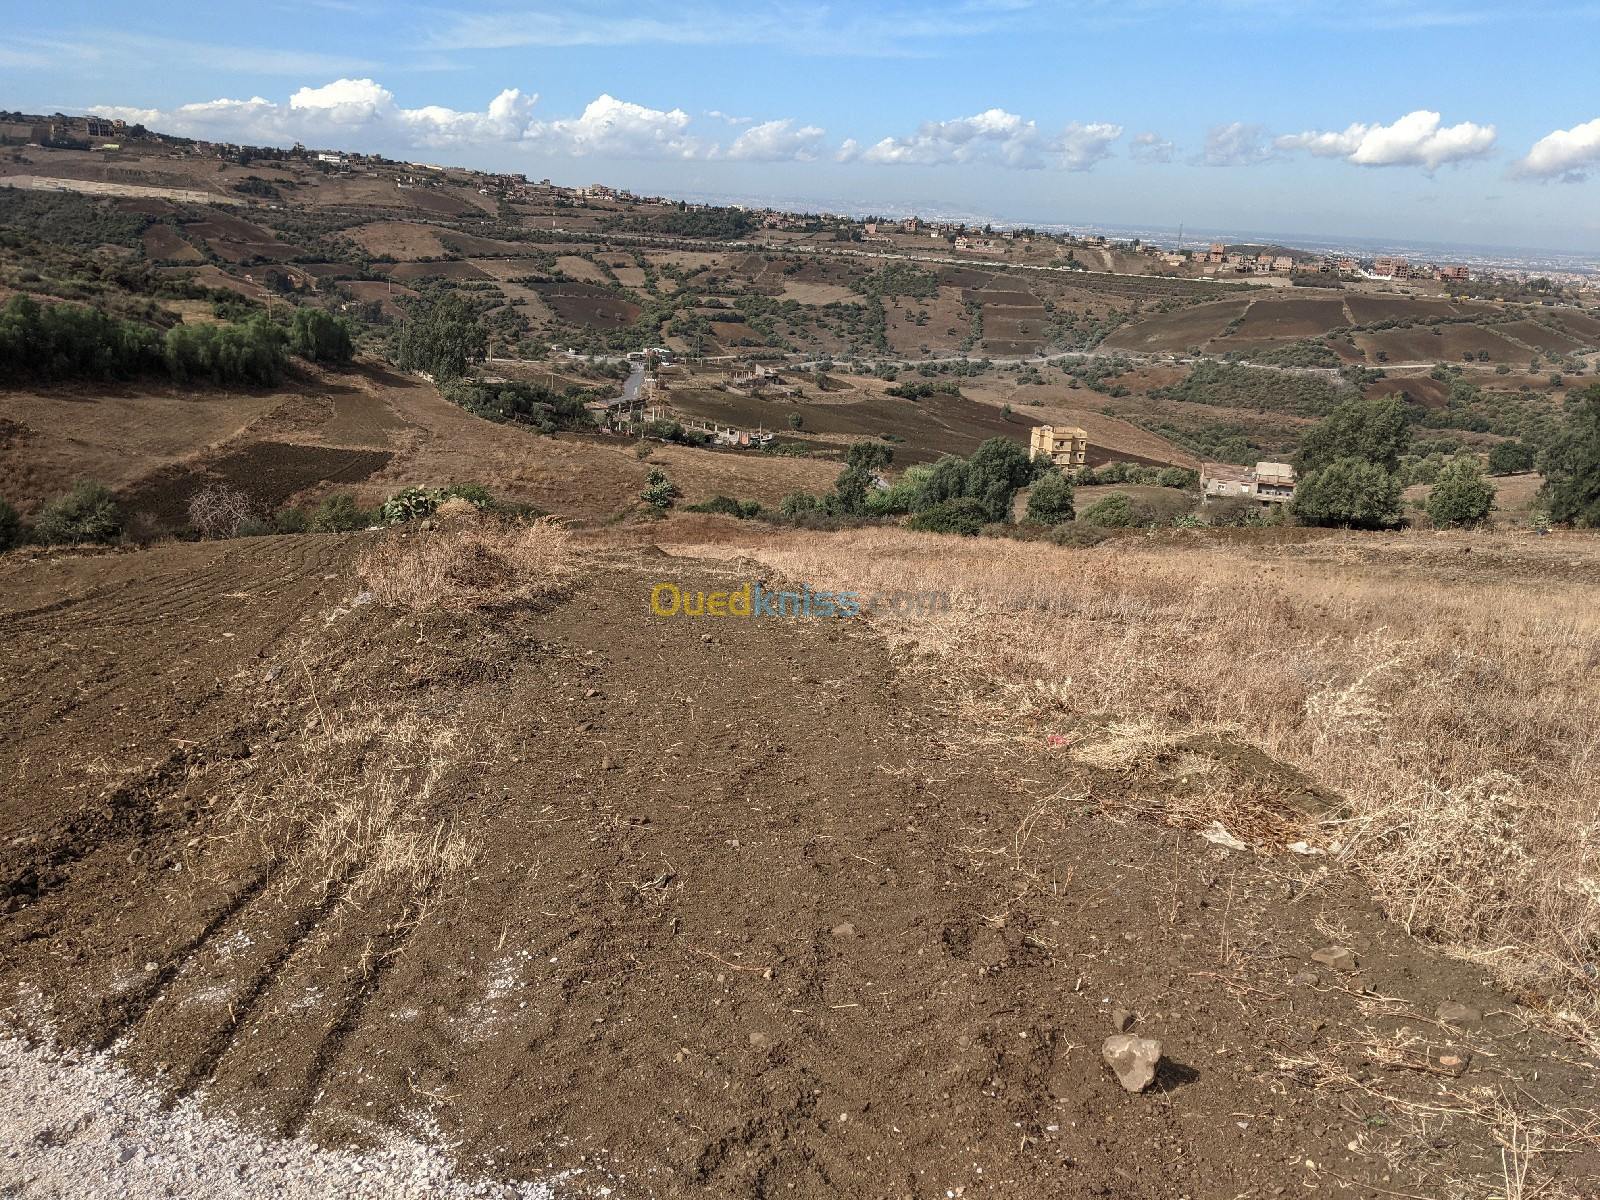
867	455
250	353
1376	431
85	513
319	336
1050	499
1571	466
796	420
1512	458
443	338
1112	511
997	470
1461	496
1354	492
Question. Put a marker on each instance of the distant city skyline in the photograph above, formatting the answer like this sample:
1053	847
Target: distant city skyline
1395	121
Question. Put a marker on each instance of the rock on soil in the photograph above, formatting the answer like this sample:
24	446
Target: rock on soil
82	1127
1340	958
1133	1058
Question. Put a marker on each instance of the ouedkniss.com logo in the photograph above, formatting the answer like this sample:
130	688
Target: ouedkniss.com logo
756	600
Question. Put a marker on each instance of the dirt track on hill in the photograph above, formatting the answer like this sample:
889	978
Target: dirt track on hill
749	916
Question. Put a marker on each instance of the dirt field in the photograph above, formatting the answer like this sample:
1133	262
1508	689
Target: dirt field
650	913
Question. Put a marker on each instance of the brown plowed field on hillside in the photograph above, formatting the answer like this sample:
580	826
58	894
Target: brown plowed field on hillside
669	907
270	473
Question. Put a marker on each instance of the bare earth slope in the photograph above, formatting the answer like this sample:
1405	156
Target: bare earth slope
679	908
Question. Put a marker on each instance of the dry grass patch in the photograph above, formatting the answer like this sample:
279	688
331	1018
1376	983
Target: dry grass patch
469	563
1457	713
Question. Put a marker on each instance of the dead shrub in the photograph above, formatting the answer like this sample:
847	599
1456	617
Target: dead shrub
466	565
218	510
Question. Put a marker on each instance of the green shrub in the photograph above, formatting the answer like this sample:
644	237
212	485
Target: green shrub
1114	511
659	492
10	526
1352	492
1511	458
339	514
1050	500
797	505
744	510
474	492
254	527
1461	497
963	515
85	513
291	520
1077	535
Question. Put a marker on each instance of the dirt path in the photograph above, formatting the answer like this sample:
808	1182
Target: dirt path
674	907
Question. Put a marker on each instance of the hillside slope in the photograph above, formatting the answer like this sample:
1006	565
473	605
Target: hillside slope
677	907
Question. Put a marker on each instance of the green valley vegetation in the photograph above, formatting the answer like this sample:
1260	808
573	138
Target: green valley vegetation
1229	385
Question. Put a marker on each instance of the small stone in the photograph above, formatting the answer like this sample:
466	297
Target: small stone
846	930
127	1154
1305	979
590	694
1451	1062
1134	1059
760	1040
1452	1012
607	765
1340	958
705	637
1121	1020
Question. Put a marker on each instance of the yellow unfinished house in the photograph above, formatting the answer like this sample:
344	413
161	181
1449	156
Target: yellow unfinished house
1067	446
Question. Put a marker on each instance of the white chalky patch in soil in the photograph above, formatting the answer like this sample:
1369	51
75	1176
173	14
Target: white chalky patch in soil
79	1127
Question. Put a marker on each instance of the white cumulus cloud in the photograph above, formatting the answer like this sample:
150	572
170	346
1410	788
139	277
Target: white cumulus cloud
1151	148
1236	145
613	128
341	109
996	137
778	141
352	112
1418	139
1566	154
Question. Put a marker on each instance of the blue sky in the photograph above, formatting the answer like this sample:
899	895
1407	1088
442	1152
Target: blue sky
1475	122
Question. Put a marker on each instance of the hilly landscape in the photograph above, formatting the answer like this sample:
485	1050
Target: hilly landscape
395	802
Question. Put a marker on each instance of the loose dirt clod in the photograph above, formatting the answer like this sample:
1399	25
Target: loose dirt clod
1339	958
1452	1012
1134	1059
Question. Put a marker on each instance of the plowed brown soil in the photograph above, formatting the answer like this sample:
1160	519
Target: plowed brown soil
683	907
